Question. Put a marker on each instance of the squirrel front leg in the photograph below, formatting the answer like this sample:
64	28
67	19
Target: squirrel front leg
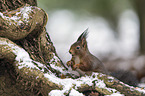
71	62
75	66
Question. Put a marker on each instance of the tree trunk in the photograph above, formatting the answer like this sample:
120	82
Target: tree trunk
29	64
141	14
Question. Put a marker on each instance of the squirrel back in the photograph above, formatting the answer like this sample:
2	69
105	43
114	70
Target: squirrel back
82	58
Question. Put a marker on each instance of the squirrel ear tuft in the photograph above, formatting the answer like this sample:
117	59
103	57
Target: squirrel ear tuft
84	35
83	38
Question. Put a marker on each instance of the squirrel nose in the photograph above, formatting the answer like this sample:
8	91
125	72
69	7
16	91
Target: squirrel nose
70	51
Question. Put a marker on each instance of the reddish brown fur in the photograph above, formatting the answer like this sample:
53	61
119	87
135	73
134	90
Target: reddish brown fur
81	57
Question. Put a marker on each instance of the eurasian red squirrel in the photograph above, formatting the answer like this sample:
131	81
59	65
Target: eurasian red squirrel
82	58
86	63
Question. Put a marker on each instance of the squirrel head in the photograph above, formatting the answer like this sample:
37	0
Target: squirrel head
80	46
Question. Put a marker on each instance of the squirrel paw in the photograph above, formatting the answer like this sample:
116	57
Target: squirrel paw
76	66
69	63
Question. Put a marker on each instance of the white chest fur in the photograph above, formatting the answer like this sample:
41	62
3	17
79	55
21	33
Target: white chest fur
77	60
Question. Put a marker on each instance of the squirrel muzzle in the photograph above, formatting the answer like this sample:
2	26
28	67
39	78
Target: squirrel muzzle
71	52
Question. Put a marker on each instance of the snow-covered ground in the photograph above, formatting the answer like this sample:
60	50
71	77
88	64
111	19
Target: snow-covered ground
64	27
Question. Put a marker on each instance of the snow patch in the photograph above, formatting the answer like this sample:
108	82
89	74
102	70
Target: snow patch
22	57
25	11
68	83
53	64
100	84
56	93
141	90
17	17
115	94
75	93
54	59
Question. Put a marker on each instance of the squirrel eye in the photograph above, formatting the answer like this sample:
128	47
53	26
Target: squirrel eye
78	47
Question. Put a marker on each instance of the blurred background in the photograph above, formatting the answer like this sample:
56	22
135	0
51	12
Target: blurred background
116	29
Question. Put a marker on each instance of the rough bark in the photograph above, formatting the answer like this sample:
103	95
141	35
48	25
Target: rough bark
29	64
7	5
